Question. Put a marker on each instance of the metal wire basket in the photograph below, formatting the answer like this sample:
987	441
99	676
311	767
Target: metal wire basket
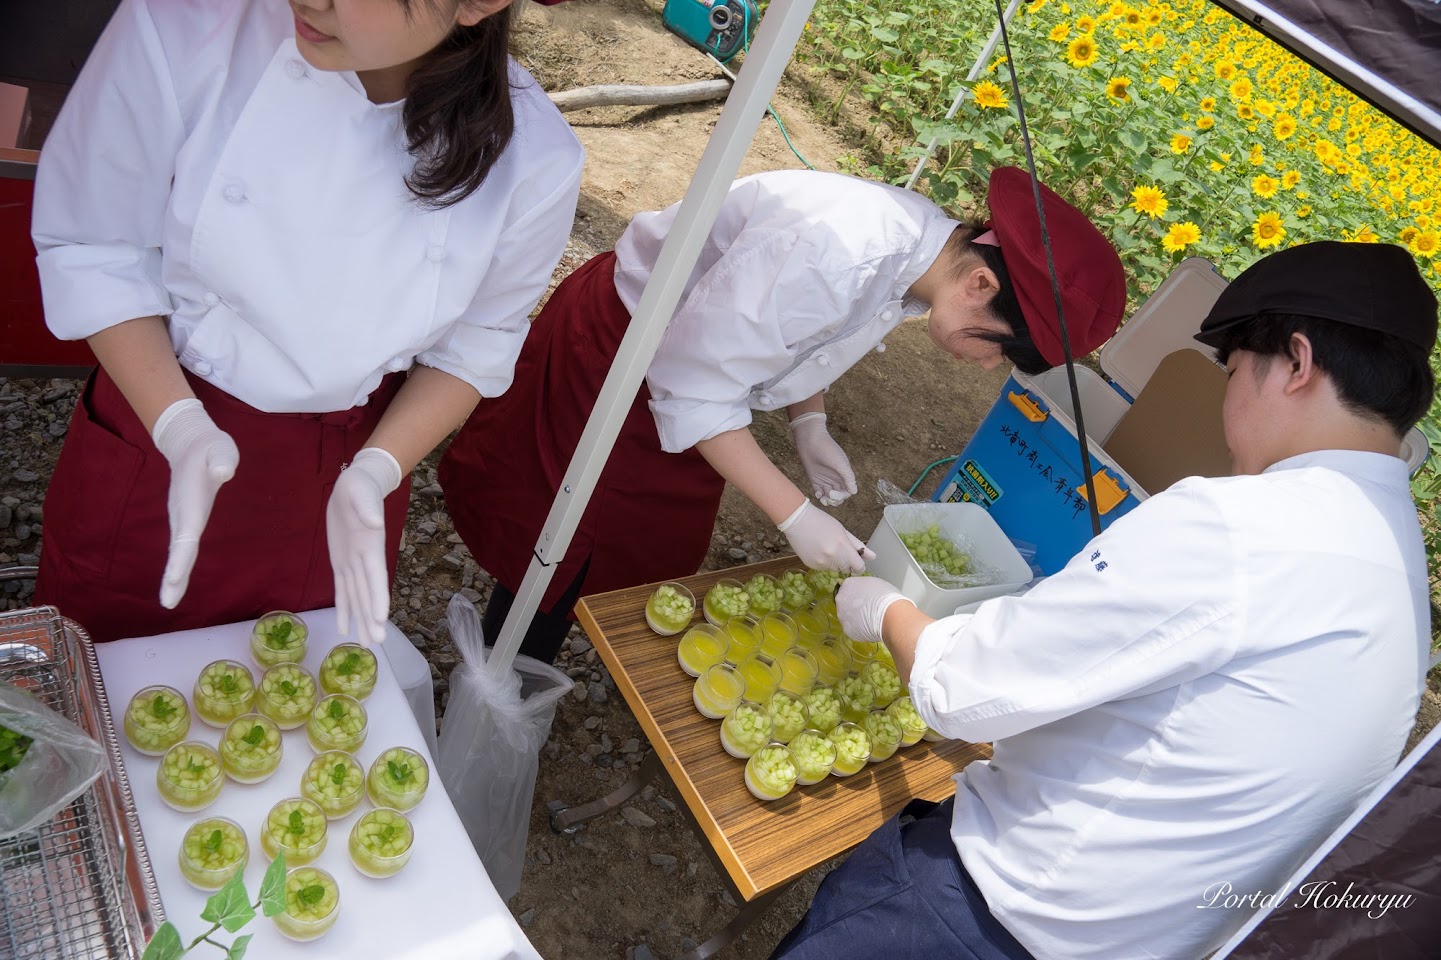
81	887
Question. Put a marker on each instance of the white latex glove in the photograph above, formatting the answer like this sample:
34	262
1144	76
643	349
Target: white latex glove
202	457
861	604
355	527
829	469
822	542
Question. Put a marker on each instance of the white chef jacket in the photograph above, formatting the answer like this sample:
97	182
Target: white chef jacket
802	274
202	170
1197	699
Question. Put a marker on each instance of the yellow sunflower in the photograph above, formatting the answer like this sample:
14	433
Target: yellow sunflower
1284	126
1290	178
1303	211
1086	25
1205	123
1150	201
1059	32
1180	143
1082	52
1267	230
1362	234
1245	111
1408	234
1241	89
1180	236
1225	70
1208	104
989	96
1426	243
1155	41
1258	156
1265	186
1116	88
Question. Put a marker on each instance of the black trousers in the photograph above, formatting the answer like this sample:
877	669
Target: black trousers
547	628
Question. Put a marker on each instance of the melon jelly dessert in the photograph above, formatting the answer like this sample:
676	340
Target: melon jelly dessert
885	733
798	670
189	776
156	719
746	729
337	723
764	593
312	902
778	634
296	826
335	782
702	647
796	591
224	690
788	715
857	697
287	695
833	661
717	691
398	778
824	583
278	637
770	772
669	609
812	625
250	748
814	755
883	680
350	669
913	728
743	637
725	600
824	708
853	749
761	675
381	842
212	851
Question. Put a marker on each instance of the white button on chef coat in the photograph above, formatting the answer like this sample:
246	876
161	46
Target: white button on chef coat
797	261
1198	698
288	206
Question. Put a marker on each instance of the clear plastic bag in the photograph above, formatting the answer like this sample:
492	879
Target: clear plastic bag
59	763
490	742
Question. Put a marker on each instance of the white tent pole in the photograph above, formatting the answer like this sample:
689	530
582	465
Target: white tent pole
976	69
766	60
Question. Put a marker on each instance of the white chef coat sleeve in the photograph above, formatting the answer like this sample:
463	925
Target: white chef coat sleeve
736	330
1153	602
103	183
482	346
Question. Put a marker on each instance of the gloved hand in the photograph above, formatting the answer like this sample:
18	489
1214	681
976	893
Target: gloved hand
202	457
355	527
827	466
822	542
861	604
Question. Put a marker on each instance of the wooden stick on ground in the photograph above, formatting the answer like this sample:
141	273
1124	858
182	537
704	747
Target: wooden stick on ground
635	95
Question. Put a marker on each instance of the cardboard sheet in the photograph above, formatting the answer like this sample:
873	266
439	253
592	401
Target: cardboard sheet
1173	430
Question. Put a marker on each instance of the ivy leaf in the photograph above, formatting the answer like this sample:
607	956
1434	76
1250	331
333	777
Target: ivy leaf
165	945
237	949
230	907
272	887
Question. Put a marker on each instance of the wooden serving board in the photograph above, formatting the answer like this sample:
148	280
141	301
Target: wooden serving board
761	845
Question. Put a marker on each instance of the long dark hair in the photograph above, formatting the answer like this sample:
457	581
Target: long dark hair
457	114
1016	346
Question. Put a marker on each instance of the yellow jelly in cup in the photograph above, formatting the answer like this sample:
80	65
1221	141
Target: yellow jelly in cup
833	661
312	903
798	670
702	647
778	634
212	851
812	627
718	690
744	637
761	675
913	728
853	749
885	732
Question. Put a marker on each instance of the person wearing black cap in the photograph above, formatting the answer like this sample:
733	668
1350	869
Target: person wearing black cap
1206	690
803	274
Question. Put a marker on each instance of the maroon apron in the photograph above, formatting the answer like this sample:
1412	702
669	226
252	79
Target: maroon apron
107	529
652	513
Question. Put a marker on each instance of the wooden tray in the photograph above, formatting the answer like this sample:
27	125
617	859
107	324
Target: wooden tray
761	845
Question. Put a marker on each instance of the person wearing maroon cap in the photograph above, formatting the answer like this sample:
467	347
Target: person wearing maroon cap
1205	691
803	274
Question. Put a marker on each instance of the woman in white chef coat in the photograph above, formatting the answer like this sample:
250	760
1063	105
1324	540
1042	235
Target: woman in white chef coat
802	275
302	240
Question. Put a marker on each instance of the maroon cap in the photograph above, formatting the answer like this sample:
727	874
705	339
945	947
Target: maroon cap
1093	285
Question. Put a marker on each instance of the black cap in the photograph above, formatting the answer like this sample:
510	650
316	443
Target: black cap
1371	285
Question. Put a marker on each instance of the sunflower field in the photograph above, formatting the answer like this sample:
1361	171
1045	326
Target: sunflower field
1178	129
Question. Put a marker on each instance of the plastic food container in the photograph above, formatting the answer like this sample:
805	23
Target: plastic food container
157	719
796	591
278	637
823	705
670	609
965	523
381	842
885	733
853	749
833	661
764	593
398	779
350	669
746	729
744	638
771	772
883	680
287	695
778	634
913	728
224	690
761	675
335	782
337	723
718	690
725	600
212	851
702	647
189	776
789	715
250	748
298	827
812	625
857	697
312	904
814	755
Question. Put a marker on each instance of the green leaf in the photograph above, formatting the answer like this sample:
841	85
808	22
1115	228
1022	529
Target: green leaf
237	949
311	894
388	833
335	710
337	775
297	823
230	906
272	887
287	688
160	708
398	772
226	684
165	945
212	842
255	736
349	665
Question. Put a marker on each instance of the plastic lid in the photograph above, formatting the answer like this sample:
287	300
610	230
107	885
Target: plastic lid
1168	321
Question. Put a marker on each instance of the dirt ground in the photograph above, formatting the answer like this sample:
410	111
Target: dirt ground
627	886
